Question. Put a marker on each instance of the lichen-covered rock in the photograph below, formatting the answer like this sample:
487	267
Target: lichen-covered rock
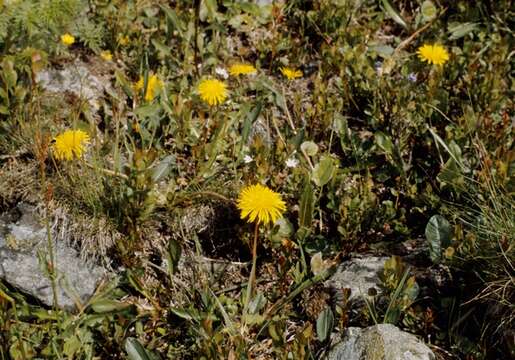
380	342
359	274
23	253
75	78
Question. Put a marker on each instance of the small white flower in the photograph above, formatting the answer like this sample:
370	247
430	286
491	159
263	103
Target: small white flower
292	162
248	159
222	72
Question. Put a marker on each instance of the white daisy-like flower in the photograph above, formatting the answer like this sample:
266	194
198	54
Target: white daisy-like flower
292	162
247	159
222	72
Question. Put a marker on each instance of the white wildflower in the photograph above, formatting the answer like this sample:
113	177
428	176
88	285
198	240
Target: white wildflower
248	159
292	162
222	72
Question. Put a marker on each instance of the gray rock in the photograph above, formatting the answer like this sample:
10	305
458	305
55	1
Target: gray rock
359	274
75	78
23	253
380	342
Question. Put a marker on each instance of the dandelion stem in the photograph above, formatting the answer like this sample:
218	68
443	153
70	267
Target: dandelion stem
252	276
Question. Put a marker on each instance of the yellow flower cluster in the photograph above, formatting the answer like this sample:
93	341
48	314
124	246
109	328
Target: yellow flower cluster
290	73
433	54
261	204
242	69
67	39
154	86
70	144
106	55
212	91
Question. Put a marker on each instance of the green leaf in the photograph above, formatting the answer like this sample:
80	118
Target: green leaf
163	168
384	142
173	256
249	120
457	31
309	147
135	350
9	74
307	206
124	83
325	323
257	303
324	170
394	14
438	234
108	305
428	10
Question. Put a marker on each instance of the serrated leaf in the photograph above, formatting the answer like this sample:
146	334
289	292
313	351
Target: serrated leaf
307	206
394	14
325	323
324	171
438	234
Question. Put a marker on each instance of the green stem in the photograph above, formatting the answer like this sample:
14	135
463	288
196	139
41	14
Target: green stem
252	276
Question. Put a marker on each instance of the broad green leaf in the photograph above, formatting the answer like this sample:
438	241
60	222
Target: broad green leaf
324	170
428	10
438	234
135	350
309	147
394	14
457	31
325	323
307	206
257	303
163	168
384	142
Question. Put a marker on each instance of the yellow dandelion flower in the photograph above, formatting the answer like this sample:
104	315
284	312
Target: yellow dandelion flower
154	86
258	202
290	73
123	40
433	54
212	91
70	144
67	39
106	55
242	69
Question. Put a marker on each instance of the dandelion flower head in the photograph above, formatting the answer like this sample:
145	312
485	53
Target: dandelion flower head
106	55
261	204
123	40
212	91
67	39
70	144
290	73
433	54
242	69
154	86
